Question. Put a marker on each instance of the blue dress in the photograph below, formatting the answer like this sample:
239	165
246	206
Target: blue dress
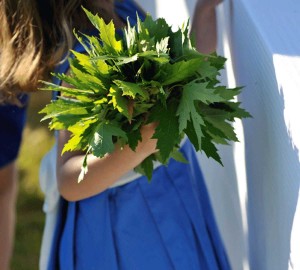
162	225
12	121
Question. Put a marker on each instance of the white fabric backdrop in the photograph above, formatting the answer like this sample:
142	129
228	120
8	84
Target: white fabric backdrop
261	39
175	12
265	52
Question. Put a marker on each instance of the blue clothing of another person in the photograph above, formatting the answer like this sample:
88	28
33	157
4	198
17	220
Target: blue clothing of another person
167	224
12	121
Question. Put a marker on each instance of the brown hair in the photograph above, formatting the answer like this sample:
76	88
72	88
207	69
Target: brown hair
35	36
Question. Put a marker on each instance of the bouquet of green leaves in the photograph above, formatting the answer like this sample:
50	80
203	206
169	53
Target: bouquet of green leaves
148	74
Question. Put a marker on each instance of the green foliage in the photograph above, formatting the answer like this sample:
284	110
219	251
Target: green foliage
150	74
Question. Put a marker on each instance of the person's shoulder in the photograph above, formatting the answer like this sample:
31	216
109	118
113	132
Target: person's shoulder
129	9
17	107
11	128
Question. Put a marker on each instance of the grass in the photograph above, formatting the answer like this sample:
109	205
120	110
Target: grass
37	140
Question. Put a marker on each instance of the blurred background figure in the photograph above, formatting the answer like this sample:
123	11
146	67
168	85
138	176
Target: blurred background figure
204	25
11	127
16	66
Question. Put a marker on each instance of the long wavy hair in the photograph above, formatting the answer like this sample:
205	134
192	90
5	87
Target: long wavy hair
35	36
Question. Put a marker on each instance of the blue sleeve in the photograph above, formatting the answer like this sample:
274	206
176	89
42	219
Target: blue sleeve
128	8
12	121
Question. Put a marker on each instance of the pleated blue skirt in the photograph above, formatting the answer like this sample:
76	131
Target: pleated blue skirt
165	224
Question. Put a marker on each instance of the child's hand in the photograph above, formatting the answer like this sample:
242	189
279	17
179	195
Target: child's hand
148	145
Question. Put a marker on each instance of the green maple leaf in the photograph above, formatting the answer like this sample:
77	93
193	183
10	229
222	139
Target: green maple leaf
84	62
217	136
92	44
102	140
187	111
178	156
107	33
65	107
146	167
176	44
96	67
207	70
152	30
236	111
131	89
157	56
227	93
134	137
76	142
78	94
119	101
210	149
217	61
179	71
167	132
220	123
90	81
70	121
85	44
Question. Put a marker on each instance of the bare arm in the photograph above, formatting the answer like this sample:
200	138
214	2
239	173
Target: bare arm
8	193
204	25
103	172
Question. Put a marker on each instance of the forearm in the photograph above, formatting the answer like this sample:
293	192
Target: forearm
102	172
204	28
8	192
